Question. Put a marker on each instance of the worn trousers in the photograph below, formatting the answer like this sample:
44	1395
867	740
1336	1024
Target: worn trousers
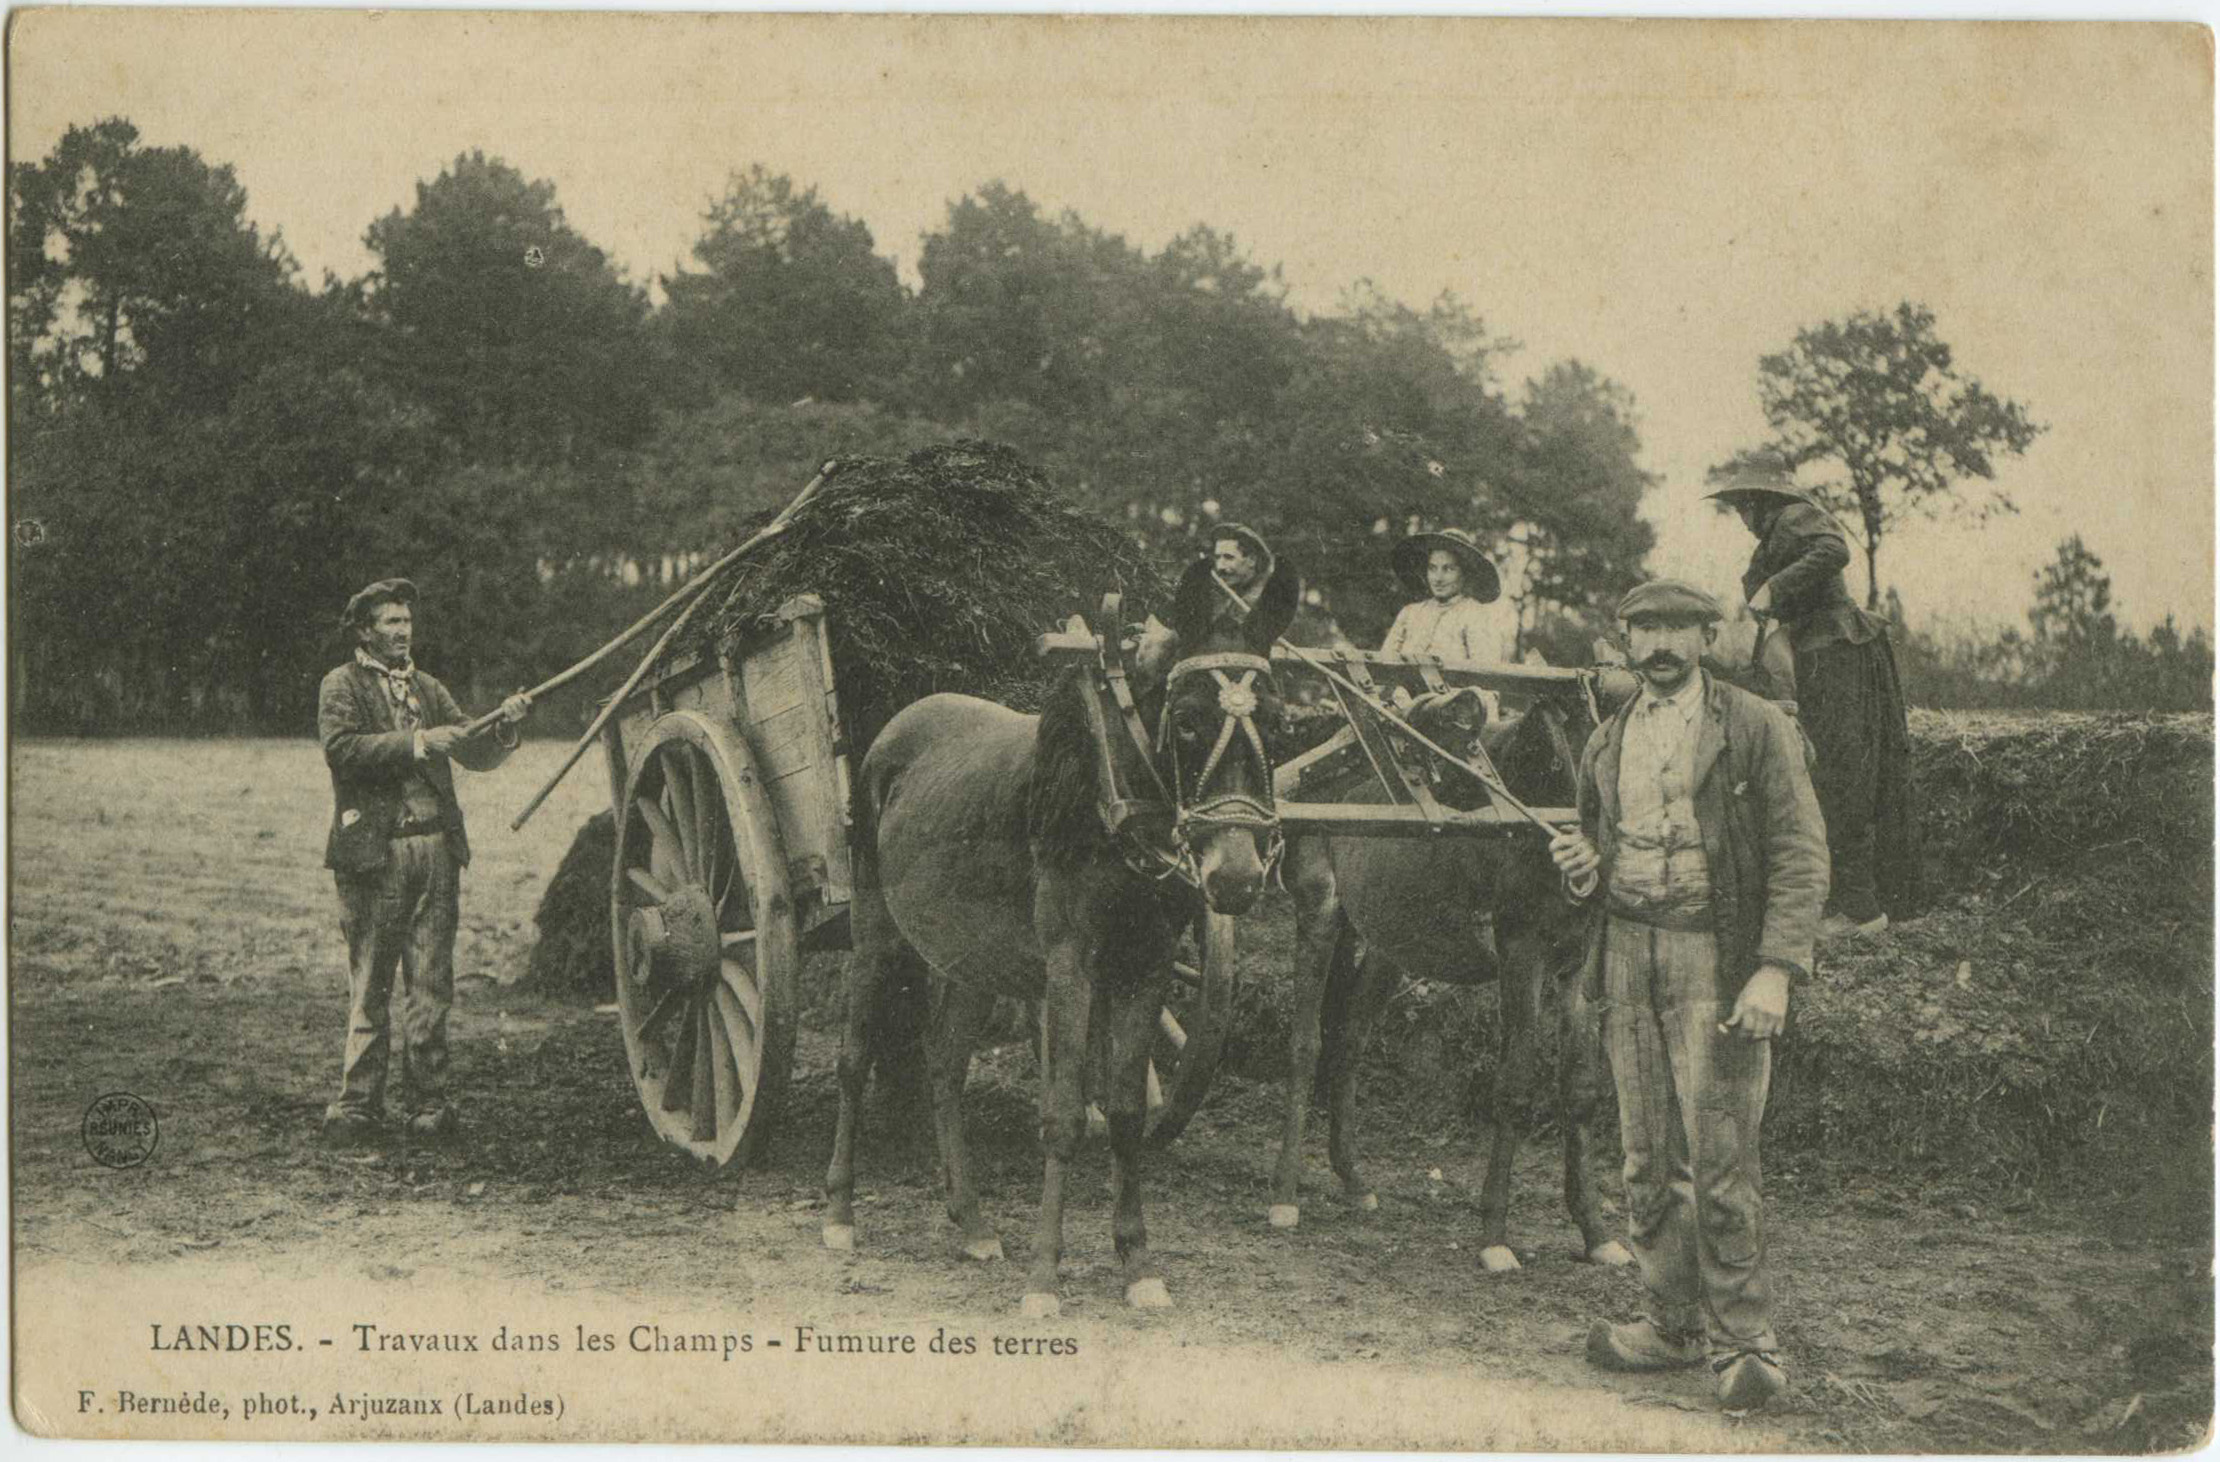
399	918
1690	1103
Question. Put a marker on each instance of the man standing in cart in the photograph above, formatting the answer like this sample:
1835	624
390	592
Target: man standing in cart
1701	849
1845	689
396	850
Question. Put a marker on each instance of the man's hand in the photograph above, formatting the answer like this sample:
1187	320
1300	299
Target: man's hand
442	740
1762	1008
1576	857
515	708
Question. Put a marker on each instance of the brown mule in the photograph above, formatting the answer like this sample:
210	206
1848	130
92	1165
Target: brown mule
985	866
1462	911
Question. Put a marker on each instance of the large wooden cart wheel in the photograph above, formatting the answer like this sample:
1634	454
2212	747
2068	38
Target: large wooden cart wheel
1192	1033
706	945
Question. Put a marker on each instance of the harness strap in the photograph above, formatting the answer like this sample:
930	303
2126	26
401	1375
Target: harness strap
1129	715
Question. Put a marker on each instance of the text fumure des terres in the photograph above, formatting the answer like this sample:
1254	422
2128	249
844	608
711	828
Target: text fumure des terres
261	1401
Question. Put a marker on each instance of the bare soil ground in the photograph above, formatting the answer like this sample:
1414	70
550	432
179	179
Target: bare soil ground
172	935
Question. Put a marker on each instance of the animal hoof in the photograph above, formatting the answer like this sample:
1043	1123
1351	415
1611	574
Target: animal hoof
1283	1215
1498	1259
986	1251
1148	1294
1370	1203
840	1236
1611	1252
1040	1307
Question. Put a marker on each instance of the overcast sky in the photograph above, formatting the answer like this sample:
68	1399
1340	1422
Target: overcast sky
1665	201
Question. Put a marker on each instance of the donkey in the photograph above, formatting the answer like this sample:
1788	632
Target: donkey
986	866
1426	907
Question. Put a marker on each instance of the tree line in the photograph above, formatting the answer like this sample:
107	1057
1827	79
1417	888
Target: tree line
2073	654
208	452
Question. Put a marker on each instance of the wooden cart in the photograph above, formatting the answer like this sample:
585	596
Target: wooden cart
729	777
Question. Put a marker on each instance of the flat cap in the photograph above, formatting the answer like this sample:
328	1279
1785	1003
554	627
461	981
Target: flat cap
370	596
1670	599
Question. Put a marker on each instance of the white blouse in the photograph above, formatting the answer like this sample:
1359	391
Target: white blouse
1460	629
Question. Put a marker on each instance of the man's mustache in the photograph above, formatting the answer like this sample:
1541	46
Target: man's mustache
1662	660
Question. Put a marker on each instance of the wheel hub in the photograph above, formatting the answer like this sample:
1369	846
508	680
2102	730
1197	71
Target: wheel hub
680	938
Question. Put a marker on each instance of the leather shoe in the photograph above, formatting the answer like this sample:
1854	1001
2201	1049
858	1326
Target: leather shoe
437	1123
1840	926
344	1131
1749	1380
1640	1345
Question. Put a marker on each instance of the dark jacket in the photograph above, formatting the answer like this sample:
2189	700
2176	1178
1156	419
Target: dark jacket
1802	555
1761	827
371	759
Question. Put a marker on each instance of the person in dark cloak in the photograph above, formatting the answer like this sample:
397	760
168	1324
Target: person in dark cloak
1845	689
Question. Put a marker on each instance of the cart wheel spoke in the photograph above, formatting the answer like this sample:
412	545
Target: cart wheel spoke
733	938
723	1067
648	884
670	1003
678	1086
678	795
724	897
740	980
704	1096
665	857
705	824
739	1031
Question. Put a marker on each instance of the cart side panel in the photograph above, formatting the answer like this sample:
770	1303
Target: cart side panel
784	691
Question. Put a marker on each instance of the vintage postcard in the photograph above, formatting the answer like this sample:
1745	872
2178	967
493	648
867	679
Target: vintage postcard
1245	732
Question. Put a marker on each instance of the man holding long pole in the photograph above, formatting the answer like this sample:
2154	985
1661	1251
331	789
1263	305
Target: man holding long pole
396	850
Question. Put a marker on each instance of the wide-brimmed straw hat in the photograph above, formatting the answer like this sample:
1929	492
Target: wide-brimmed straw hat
1482	582
1760	477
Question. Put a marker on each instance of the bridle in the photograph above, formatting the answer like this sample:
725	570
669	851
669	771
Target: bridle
1236	673
1131	820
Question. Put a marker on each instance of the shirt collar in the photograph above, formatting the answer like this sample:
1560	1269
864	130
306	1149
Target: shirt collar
1685	700
1450	603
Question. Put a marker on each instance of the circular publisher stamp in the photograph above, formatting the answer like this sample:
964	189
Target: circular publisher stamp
120	1130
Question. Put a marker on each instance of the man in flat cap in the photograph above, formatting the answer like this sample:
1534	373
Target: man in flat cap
1701	849
1845	688
397	849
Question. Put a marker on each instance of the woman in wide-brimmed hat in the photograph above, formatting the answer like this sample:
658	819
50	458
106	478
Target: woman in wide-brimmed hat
1845	688
1458	612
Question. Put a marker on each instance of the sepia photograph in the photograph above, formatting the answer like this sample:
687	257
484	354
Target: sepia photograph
1110	731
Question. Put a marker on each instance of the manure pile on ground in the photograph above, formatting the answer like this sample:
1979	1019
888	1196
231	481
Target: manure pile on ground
2057	997
573	954
937	572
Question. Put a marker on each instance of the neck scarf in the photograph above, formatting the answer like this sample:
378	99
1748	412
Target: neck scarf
400	687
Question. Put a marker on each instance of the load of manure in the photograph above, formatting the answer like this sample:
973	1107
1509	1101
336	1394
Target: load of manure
937	571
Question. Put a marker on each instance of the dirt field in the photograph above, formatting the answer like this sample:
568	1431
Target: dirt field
174	937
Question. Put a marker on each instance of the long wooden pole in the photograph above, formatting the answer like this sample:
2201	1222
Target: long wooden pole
701	582
1485	777
678	596
639	672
